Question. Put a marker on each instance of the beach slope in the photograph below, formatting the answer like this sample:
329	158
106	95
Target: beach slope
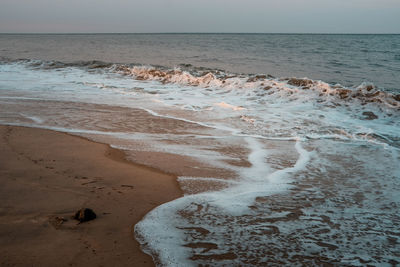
46	176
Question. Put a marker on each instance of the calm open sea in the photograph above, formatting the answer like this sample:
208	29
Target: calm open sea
346	59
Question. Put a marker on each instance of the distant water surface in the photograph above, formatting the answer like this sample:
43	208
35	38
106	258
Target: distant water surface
346	59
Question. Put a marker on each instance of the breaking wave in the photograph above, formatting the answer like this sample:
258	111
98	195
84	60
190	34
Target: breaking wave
366	92
188	75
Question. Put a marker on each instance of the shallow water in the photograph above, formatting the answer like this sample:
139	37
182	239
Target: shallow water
283	171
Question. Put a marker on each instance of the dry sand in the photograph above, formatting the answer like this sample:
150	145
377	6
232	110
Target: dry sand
47	175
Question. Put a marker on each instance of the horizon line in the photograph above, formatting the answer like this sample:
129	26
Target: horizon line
277	33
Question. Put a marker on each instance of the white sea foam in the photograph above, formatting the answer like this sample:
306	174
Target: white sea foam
228	106
33	118
158	231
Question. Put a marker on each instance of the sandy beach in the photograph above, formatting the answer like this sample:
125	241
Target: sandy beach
46	176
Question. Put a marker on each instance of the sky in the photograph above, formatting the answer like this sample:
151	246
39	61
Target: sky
264	16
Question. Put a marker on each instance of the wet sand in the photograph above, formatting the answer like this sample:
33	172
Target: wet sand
45	176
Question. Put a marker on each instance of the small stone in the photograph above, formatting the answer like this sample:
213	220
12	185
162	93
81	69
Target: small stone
84	215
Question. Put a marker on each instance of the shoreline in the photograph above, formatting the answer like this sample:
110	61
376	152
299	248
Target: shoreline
47	175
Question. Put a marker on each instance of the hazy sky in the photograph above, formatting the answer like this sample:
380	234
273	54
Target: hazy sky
314	16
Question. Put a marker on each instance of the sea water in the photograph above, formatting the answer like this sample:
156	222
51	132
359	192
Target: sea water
294	139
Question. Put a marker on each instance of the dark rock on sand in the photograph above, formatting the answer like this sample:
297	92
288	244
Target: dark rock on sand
396	97
369	115
84	215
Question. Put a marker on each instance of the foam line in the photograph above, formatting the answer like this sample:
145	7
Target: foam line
234	132
304	158
259	168
207	179
33	118
217	127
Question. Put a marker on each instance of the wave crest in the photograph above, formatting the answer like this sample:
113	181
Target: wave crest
187	75
366	92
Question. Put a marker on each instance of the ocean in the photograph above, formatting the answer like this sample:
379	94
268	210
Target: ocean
293	139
